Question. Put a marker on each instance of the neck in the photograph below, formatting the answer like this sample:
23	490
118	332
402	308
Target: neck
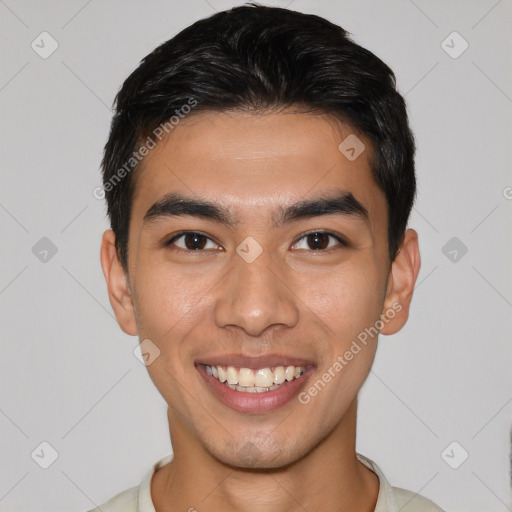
328	478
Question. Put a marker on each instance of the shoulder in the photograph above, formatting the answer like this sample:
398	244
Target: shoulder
135	499
125	501
396	499
408	501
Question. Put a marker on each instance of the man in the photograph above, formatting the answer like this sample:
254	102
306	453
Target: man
259	176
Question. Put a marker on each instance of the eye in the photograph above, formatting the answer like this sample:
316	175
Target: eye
319	241
191	241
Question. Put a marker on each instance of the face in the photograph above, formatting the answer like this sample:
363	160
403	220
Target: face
258	255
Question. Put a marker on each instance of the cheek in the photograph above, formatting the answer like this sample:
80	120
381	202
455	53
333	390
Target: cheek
347	299
169	301
172	305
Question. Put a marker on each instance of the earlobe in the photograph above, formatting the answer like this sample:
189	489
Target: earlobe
117	284
402	279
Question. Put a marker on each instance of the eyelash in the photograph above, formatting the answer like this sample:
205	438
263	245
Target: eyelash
338	238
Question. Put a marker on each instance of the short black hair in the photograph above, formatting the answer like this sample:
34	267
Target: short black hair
256	58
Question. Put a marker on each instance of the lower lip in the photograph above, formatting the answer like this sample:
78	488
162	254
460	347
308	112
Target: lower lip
255	403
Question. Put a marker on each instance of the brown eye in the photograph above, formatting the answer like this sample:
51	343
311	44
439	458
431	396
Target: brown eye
191	241
319	241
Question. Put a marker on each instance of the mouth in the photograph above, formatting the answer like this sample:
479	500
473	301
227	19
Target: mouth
255	386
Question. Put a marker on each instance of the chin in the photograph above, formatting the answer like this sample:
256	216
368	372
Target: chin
253	453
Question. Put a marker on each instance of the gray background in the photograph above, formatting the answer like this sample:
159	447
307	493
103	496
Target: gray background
68	373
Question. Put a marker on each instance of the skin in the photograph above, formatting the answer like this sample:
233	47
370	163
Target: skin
293	300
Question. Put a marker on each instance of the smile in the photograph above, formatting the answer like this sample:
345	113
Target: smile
255	385
248	380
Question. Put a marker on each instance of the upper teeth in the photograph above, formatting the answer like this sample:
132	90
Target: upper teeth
261	378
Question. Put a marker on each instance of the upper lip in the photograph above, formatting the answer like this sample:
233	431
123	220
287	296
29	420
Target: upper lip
269	360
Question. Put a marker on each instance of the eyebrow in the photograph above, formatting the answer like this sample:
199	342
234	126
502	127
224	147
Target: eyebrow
175	205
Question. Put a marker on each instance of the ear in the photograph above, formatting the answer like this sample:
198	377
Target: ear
118	285
401	281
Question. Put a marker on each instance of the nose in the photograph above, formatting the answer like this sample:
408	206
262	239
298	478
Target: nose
255	297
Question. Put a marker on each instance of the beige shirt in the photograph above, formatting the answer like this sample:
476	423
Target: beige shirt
390	499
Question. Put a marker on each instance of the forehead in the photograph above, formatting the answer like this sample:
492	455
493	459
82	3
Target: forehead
255	161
